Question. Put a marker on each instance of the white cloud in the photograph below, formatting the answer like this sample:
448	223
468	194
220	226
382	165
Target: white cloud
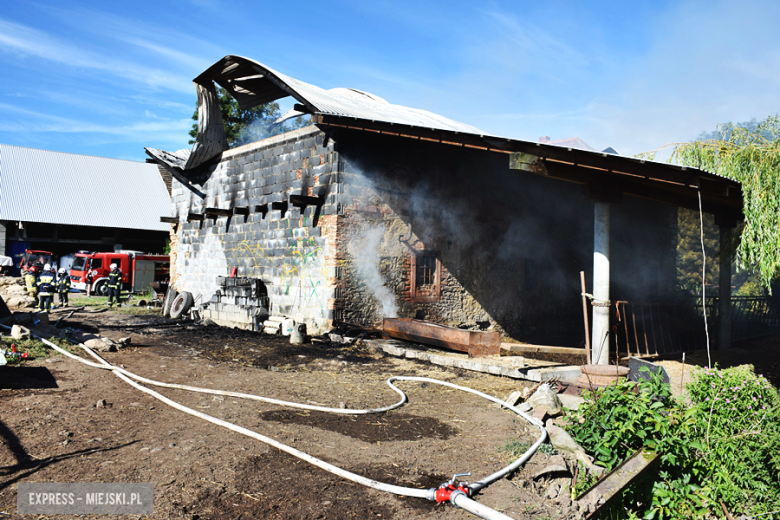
27	41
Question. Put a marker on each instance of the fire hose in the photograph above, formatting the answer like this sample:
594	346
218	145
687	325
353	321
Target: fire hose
458	495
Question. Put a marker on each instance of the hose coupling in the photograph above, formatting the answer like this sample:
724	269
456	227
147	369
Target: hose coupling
448	490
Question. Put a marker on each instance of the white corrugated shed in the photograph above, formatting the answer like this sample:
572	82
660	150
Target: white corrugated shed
80	190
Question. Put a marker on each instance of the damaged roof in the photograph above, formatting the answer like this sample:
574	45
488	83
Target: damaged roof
251	83
80	190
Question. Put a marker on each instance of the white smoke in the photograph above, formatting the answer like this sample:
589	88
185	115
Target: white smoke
364	250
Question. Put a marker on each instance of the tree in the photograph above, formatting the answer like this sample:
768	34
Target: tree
750	155
246	126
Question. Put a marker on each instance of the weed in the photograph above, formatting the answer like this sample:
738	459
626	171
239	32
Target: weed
547	449
514	448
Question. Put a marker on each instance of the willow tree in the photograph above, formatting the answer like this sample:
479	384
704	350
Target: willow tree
752	157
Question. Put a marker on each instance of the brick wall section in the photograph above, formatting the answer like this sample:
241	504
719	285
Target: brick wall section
289	250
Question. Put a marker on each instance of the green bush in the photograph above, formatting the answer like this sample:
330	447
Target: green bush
721	445
738	426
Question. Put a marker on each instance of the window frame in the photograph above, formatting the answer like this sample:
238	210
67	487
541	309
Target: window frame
425	298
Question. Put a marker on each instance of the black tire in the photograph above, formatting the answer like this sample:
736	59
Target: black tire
181	305
101	288
168	301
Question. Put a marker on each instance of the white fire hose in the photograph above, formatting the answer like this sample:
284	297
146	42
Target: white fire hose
457	494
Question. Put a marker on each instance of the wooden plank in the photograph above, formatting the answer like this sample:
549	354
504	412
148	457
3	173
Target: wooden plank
611	485
218	212
524	347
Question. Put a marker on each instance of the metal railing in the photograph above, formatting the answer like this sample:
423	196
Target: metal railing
647	329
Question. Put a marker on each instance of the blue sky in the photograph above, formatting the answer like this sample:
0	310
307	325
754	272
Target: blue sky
108	78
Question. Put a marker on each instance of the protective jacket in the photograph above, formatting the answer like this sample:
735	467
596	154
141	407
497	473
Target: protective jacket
46	283
31	282
63	284
115	279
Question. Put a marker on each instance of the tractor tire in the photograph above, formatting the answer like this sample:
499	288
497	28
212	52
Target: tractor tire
168	302
181	305
101	288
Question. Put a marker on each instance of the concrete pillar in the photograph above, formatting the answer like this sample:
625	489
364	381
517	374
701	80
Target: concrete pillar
600	340
724	292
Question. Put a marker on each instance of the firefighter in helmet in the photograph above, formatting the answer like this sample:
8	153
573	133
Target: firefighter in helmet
114	285
63	287
47	283
31	282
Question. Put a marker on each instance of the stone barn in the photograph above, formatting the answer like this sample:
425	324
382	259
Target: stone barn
377	210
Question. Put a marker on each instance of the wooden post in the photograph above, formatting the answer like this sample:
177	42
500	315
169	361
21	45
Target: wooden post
585	315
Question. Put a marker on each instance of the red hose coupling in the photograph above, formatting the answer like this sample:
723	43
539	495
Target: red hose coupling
444	493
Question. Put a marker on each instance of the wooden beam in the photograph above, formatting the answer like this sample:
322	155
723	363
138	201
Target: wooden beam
241	210
531	349
195	216
170	220
305	200
218	212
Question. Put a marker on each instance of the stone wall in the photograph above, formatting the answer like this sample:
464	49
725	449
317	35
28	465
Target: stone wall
508	245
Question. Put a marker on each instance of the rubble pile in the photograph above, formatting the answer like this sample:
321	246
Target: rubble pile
14	293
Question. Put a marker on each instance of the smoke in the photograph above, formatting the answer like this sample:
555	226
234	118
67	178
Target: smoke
364	250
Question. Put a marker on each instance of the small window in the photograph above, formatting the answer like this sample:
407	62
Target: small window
96	263
426	277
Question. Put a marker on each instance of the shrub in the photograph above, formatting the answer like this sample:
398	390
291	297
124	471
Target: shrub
721	445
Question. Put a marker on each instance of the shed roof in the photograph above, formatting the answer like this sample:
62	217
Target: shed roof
252	83
81	190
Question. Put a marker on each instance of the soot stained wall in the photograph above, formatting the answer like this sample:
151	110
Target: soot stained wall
510	244
507	245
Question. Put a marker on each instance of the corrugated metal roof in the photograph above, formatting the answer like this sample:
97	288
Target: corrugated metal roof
252	83
81	190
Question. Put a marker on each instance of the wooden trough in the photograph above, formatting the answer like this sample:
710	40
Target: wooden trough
476	343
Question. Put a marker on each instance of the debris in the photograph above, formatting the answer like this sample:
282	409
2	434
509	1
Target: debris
513	398
207	322
124	341
101	404
100	345
563	441
539	413
18	332
546	397
556	465
570	402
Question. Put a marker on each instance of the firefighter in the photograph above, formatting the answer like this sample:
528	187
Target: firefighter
114	285
63	287
47	283
31	281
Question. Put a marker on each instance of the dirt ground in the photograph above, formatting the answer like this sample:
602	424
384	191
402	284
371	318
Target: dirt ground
53	431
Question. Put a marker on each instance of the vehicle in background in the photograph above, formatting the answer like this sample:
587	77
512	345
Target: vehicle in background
35	257
139	270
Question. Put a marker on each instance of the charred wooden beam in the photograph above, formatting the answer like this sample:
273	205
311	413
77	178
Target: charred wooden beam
241	210
262	209
218	212
170	220
195	216
305	200
476	343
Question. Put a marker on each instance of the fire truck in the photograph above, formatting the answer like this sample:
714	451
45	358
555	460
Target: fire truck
139	270
34	257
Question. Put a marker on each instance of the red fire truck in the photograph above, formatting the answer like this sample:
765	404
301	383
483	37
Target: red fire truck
34	257
139	270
